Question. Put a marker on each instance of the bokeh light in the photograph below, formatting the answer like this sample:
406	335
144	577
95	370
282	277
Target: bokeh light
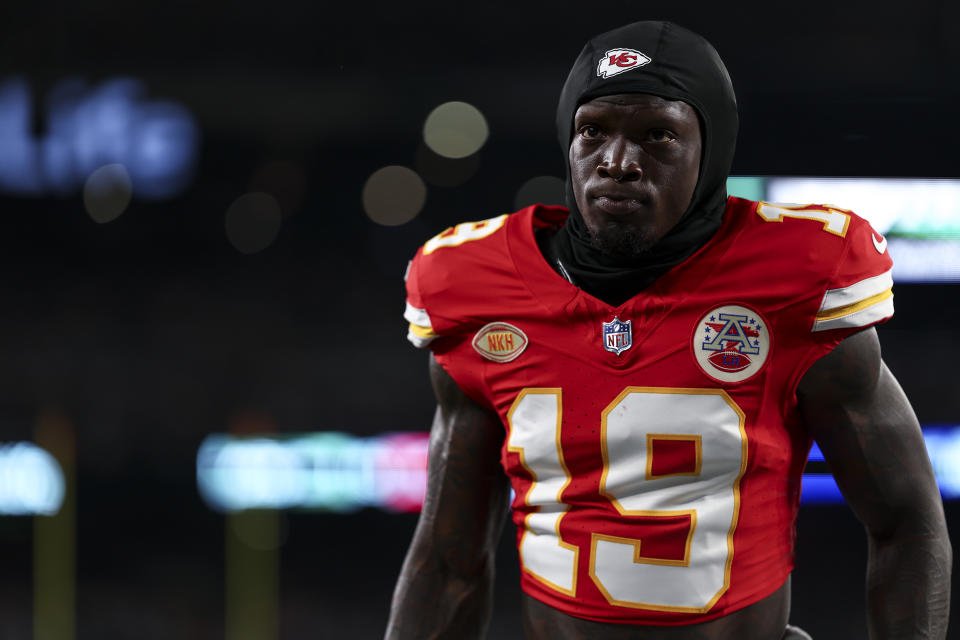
540	190
31	480
253	222
107	192
455	130
393	195
444	172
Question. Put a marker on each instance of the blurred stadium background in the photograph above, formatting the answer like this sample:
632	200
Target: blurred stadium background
208	208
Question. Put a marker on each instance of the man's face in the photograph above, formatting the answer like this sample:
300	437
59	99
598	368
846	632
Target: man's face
634	163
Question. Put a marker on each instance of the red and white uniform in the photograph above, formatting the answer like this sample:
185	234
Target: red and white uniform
656	465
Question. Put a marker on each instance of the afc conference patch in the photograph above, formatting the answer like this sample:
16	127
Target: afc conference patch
617	335
731	343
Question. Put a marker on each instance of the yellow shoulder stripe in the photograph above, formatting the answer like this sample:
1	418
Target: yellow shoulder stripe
421	331
839	312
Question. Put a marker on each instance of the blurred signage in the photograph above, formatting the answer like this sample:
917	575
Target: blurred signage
920	217
85	127
339	472
331	471
31	481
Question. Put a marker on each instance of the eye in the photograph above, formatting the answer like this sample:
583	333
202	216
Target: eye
661	135
589	131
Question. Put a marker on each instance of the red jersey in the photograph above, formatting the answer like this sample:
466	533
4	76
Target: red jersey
655	448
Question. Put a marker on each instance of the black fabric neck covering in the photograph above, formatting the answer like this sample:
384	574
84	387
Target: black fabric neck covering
684	67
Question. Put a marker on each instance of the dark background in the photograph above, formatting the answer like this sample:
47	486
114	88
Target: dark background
151	331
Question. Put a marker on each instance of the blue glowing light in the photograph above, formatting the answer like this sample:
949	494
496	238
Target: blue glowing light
943	448
85	128
31	481
943	445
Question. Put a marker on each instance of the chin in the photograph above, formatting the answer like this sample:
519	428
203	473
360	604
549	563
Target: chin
623	243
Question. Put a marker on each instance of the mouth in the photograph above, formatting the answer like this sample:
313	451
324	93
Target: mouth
617	204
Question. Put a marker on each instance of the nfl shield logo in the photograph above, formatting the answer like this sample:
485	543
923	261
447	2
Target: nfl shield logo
617	335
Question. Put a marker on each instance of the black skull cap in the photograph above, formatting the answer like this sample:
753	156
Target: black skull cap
681	66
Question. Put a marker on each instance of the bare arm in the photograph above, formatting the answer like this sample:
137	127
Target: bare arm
870	437
445	585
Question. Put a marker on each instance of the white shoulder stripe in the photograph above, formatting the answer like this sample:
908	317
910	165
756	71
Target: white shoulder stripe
857	292
417	316
862	318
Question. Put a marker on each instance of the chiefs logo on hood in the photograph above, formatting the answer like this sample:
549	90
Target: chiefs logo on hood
616	61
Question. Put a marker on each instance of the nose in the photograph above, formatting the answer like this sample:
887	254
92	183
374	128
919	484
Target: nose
620	160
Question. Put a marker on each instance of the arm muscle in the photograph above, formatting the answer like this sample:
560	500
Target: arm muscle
444	589
871	439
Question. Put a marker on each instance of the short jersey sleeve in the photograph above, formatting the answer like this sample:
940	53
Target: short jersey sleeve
448	284
444	276
860	291
419	328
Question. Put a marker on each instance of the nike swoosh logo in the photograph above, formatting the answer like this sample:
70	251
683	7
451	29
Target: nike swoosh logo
880	245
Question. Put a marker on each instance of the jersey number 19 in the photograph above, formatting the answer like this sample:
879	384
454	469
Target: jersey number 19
640	424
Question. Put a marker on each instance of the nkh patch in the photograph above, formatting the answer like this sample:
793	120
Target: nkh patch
731	343
617	335
500	341
617	61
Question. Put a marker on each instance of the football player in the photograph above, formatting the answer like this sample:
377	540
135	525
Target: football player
647	369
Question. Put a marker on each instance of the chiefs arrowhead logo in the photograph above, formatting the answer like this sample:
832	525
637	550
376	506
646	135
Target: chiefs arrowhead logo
618	61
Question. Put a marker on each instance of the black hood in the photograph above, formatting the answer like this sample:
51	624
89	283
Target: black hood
681	66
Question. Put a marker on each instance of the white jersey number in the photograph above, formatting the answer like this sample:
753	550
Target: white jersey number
834	220
708	428
464	232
